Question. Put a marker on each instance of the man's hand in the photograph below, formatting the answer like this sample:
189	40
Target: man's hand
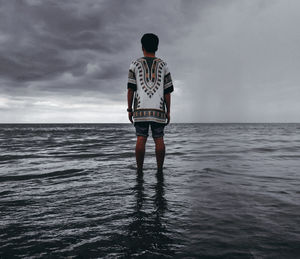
168	117
130	116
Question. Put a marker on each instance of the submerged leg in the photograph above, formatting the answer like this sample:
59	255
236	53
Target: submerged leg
140	152
160	152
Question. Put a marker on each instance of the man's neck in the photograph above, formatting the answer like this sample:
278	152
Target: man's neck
149	54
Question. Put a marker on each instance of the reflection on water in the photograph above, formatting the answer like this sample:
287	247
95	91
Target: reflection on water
147	233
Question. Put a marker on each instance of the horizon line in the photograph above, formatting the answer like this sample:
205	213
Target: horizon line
130	123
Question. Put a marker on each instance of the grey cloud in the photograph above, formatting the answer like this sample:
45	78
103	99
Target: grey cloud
43	35
230	60
242	64
46	39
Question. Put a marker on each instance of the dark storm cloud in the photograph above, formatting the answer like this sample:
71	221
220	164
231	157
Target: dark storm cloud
72	47
45	39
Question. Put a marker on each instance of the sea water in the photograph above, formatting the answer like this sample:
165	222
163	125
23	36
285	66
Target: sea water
227	191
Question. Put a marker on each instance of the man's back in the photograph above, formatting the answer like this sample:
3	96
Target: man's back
150	78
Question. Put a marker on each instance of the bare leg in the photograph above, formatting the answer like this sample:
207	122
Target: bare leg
140	152
160	153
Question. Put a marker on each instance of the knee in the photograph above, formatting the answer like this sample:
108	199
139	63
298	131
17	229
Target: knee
160	148
140	148
140	144
159	145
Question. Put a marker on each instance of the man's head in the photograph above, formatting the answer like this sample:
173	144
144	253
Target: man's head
150	42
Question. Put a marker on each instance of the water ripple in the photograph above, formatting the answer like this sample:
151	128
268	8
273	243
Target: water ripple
227	191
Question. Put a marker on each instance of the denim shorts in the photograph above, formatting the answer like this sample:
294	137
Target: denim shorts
142	128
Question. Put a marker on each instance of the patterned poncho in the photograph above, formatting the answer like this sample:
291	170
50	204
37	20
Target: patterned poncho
150	78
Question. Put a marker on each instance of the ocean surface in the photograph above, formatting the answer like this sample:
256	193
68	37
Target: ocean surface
227	191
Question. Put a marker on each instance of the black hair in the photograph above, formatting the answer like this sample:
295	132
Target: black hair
150	42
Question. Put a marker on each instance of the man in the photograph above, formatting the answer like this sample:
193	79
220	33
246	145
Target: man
149	87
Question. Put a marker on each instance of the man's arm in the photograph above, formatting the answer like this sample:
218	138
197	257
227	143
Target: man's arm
131	86
168	88
130	94
168	106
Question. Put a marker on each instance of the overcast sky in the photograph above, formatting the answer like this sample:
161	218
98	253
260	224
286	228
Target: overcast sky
230	60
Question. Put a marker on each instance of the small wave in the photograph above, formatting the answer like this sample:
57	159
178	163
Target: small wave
5	193
5	158
264	149
270	178
79	155
274	149
176	153
55	174
288	156
213	170
21	202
